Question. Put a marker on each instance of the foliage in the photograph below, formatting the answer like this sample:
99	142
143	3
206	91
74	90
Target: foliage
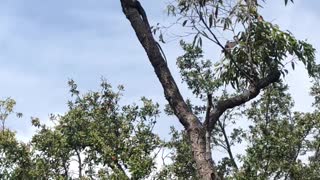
6	109
15	162
281	140
102	135
259	47
281	143
183	166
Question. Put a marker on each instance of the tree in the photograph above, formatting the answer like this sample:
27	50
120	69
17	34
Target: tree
252	61
7	109
15	157
15	162
107	140
52	153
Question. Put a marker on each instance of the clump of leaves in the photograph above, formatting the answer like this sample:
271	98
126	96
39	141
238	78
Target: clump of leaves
109	140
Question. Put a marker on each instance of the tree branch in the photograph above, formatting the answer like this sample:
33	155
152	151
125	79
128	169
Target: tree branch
216	41
247	95
228	146
140	24
209	106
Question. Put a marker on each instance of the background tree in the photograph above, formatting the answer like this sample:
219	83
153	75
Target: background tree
15	159
106	140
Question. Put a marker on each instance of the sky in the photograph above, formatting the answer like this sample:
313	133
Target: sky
43	44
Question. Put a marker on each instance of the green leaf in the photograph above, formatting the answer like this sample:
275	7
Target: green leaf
210	20
216	11
200	42
195	39
184	22
292	64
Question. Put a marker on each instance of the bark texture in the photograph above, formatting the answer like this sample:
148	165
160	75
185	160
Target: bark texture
198	133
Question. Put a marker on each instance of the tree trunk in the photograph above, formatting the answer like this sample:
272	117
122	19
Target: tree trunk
201	154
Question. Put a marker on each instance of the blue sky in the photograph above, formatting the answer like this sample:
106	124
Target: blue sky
45	43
